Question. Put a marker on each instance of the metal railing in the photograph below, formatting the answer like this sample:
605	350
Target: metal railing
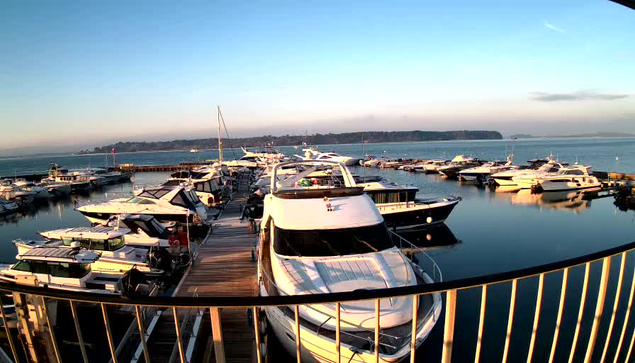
605	335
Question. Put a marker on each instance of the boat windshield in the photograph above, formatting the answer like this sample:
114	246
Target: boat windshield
137	200
333	242
111	244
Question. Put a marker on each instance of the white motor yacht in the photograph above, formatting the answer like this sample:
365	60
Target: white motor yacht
69	269
528	180
433	166
314	154
572	178
505	178
207	186
12	192
167	204
323	239
115	256
482	172
41	191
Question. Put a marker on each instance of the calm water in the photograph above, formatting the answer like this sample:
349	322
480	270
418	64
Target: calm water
496	231
600	153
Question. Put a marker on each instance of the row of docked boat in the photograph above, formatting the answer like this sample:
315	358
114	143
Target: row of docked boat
19	192
539	174
135	243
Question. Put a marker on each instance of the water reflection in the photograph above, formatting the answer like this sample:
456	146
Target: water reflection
436	236
573	201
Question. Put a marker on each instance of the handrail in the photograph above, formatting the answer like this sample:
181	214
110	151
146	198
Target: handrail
262	301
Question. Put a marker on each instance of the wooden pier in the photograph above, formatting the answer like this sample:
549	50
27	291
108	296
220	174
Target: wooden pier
226	266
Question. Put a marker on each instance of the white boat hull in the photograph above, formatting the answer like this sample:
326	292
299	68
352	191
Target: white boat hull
571	184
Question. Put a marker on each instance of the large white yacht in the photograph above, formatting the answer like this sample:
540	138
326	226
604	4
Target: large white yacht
115	257
400	207
313	153
528	180
69	269
482	172
167	204
323	239
572	178
540	166
12	192
206	186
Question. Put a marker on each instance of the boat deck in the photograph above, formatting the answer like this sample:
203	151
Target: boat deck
225	266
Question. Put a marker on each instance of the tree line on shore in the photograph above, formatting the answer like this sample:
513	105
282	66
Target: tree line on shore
291	140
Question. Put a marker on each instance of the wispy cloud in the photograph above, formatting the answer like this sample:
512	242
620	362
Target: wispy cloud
552	27
576	96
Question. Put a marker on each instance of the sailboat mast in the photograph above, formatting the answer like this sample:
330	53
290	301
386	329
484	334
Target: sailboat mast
220	142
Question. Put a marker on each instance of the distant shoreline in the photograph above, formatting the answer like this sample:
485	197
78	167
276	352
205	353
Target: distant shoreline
293	140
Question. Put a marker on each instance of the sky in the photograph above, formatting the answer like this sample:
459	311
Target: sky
85	73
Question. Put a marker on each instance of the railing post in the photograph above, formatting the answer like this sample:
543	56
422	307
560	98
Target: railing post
78	329
563	295
448	329
51	332
481	325
142	334
111	344
510	319
599	307
585	286
618	292
338	341
626	316
298	342
413	340
254	312
217	334
177	329
541	284
9	336
377	327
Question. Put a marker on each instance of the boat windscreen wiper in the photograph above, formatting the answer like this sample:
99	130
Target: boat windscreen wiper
366	243
330	247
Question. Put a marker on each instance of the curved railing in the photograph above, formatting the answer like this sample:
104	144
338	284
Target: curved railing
608	344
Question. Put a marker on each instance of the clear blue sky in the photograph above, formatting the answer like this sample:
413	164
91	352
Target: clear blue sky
95	71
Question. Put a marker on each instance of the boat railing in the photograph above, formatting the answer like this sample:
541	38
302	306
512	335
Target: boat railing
419	257
595	287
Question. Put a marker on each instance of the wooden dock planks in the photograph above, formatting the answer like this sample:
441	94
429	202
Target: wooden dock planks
225	267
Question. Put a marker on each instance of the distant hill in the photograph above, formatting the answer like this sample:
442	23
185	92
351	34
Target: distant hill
287	140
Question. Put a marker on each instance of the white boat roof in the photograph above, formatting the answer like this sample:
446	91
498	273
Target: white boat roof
312	213
459	158
58	255
98	232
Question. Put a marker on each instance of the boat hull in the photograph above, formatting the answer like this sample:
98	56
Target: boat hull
572	184
418	215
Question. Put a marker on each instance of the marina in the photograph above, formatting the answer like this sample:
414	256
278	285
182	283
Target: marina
225	266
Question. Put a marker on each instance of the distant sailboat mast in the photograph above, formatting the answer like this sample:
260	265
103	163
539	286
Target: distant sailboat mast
220	142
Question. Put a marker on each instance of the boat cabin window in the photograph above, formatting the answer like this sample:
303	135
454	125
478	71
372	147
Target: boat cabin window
111	244
204	187
573	172
183	200
57	269
155	193
335	242
136	200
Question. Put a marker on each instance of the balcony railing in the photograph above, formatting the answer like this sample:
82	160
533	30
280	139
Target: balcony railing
602	342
